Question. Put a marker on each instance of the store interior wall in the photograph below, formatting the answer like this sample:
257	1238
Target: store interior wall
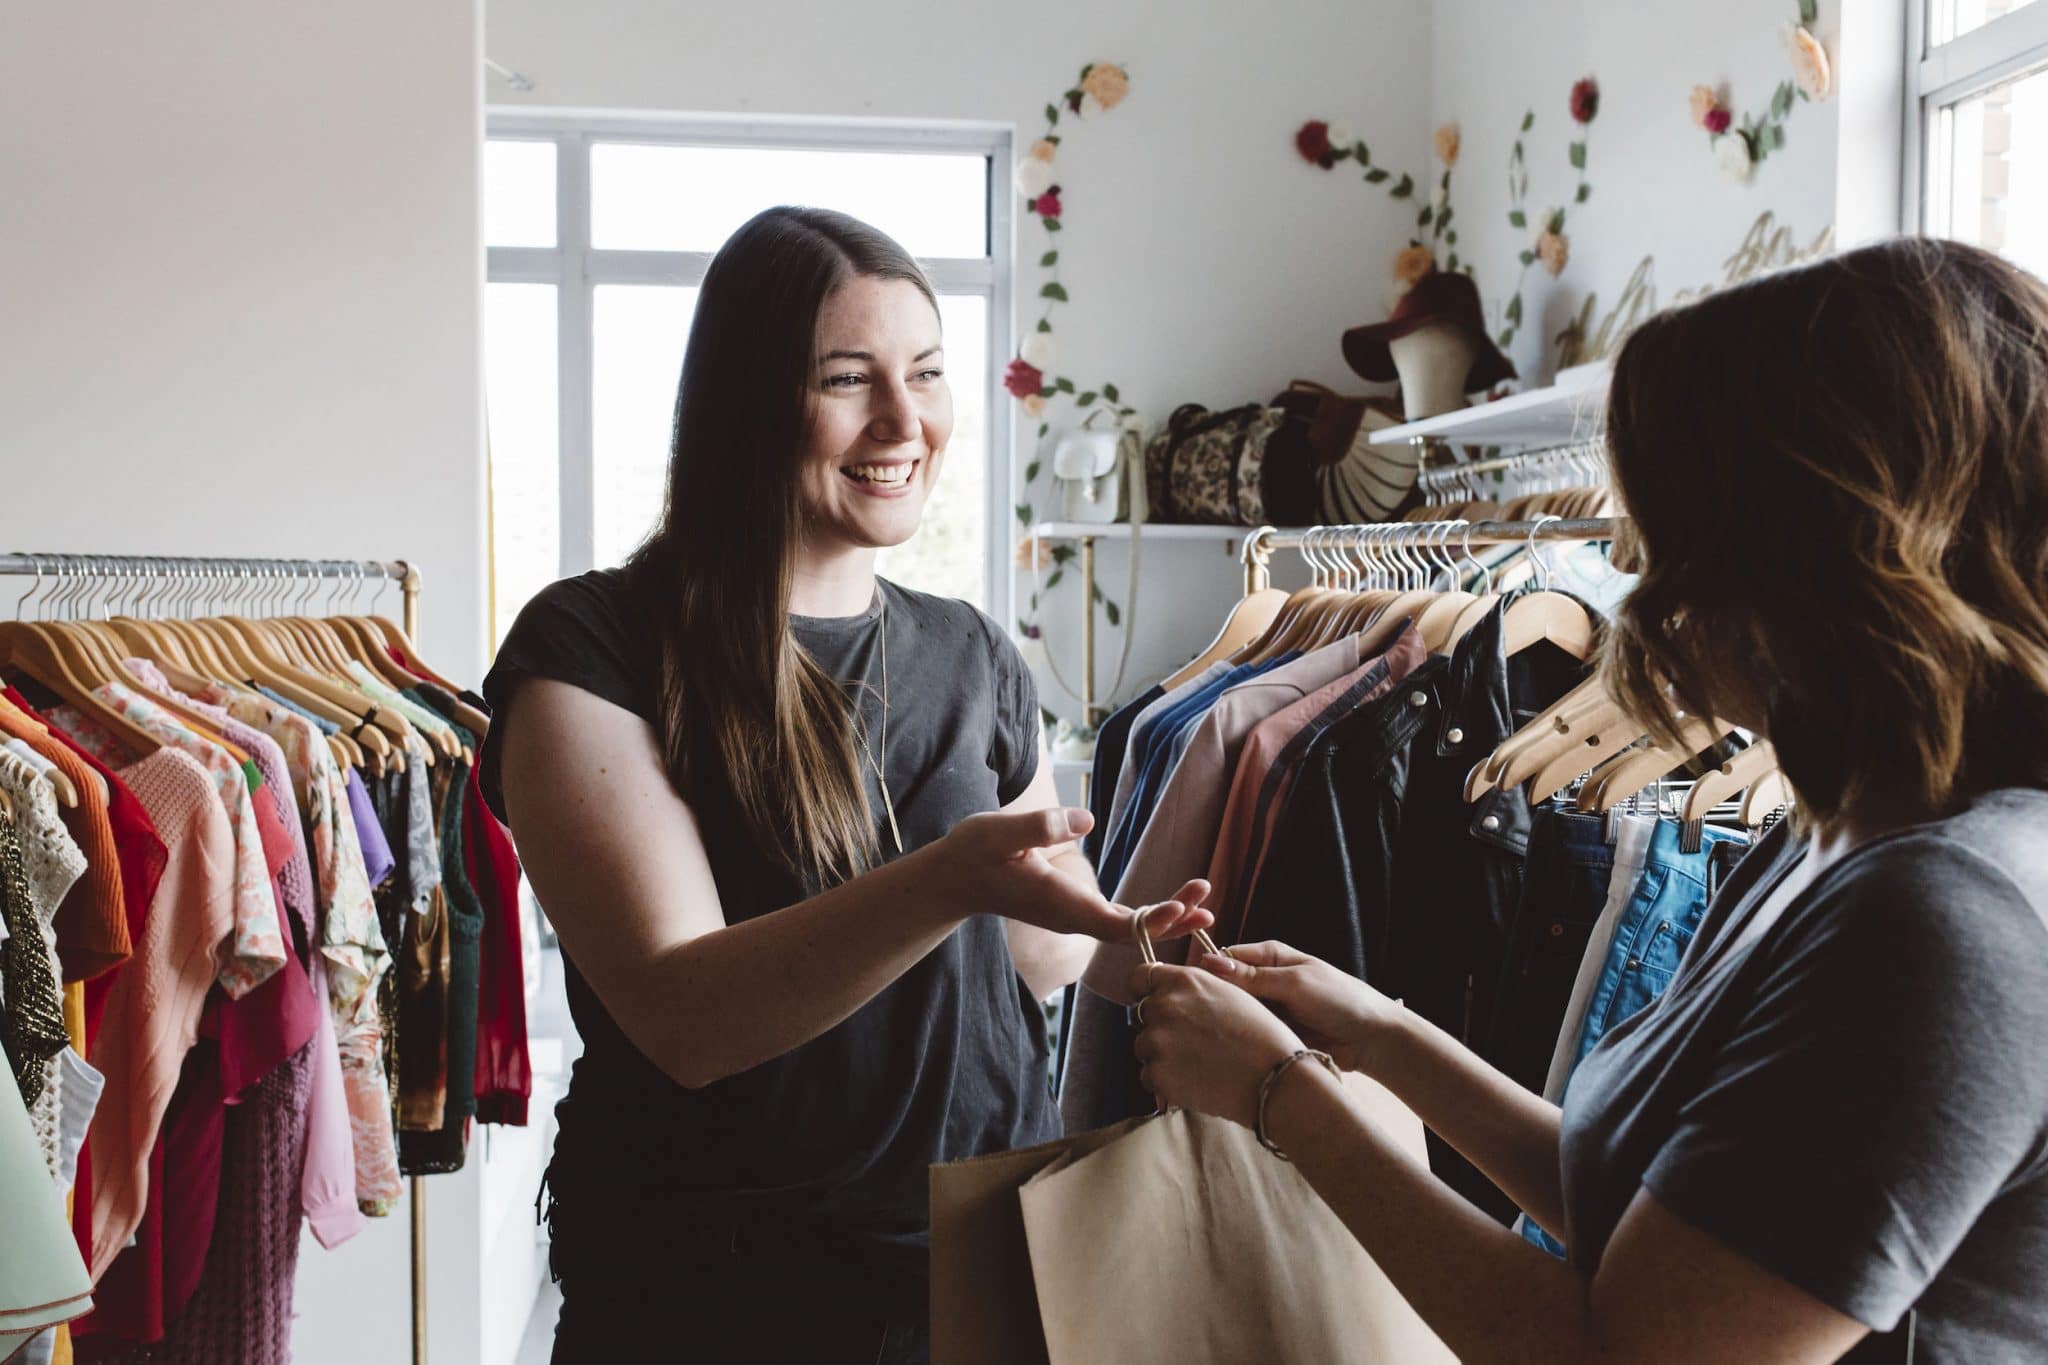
243	285
240	298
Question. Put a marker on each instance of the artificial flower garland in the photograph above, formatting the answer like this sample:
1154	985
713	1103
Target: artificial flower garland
1323	144
1030	378
1738	149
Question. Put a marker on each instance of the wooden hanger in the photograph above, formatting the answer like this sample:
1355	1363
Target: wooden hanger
1248	620
24	645
1627	774
1555	720
1768	793
42	768
1602	736
1739	773
252	666
109	666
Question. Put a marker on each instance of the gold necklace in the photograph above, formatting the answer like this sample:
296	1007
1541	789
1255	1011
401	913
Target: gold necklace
888	802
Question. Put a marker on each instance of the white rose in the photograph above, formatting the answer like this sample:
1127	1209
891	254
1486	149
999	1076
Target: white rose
1341	138
1731	154
1034	177
1039	351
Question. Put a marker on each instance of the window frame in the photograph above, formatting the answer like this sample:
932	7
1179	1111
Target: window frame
1941	76
576	269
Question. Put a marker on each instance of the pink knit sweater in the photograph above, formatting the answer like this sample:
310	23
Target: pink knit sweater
152	1013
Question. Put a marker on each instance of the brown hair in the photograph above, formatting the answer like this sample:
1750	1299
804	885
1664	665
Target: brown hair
746	716
1838	477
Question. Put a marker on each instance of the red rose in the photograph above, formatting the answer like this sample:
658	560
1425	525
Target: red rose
1585	100
1022	380
1313	142
1047	205
1717	121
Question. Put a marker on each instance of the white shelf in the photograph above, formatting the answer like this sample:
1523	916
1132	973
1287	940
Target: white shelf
1121	530
1567	410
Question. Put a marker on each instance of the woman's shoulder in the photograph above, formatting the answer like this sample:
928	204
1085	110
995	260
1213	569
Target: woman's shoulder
1981	870
1944	923
580	630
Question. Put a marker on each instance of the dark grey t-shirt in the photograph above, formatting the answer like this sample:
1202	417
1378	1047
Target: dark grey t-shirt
829	1144
1858	1099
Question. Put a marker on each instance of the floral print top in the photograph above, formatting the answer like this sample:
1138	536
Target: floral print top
256	948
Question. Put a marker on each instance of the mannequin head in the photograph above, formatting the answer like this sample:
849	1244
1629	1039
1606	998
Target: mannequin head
1433	361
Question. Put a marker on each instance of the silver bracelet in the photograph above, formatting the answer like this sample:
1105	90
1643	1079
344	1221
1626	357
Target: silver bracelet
1266	1091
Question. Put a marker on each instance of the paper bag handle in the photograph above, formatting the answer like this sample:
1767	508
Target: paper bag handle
1144	941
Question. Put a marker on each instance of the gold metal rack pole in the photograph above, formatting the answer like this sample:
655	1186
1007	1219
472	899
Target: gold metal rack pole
417	1187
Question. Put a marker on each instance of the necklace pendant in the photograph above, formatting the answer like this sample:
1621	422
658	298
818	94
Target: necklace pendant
889	806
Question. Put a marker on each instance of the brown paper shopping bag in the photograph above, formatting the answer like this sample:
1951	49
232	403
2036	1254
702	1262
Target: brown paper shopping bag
984	1310
1182	1240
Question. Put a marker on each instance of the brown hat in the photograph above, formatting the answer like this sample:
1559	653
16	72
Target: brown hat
1440	296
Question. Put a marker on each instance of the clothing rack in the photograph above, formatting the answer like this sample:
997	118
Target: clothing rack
1574	463
201	580
1417	535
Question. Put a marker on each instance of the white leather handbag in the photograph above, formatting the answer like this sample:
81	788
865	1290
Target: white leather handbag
1100	476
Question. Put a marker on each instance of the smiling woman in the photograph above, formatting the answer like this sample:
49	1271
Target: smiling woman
794	826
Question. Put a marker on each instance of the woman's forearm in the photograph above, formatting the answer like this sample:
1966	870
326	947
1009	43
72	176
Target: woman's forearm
1049	962
1501	1128
725	1001
1432	1244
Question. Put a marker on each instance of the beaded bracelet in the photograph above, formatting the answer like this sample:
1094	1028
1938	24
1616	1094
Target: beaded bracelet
1266	1090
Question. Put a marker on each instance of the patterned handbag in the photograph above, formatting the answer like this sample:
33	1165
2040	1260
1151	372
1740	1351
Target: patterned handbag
1210	467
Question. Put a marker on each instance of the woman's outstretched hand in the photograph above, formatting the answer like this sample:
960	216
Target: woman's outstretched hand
1000	863
1332	1010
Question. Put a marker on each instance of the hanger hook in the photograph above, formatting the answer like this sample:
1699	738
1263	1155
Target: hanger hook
1485	574
36	563
1536	554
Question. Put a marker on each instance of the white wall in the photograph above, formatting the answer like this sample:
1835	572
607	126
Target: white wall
241	282
241	285
1207	262
1656	190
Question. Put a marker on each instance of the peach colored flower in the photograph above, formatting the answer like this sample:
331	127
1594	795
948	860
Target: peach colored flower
1553	249
1044	149
1447	144
1412	264
1034	405
1704	102
1810	71
1107	84
1033	553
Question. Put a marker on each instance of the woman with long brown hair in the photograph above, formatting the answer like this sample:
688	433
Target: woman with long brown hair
795	829
1837	1113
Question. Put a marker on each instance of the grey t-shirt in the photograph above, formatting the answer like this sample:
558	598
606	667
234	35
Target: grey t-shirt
1858	1099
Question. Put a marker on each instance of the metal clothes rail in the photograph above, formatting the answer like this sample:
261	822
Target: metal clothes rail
180	583
1417	535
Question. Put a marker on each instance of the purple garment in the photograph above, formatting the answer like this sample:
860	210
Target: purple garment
377	859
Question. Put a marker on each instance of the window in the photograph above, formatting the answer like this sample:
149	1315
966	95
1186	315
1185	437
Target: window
1978	159
599	233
